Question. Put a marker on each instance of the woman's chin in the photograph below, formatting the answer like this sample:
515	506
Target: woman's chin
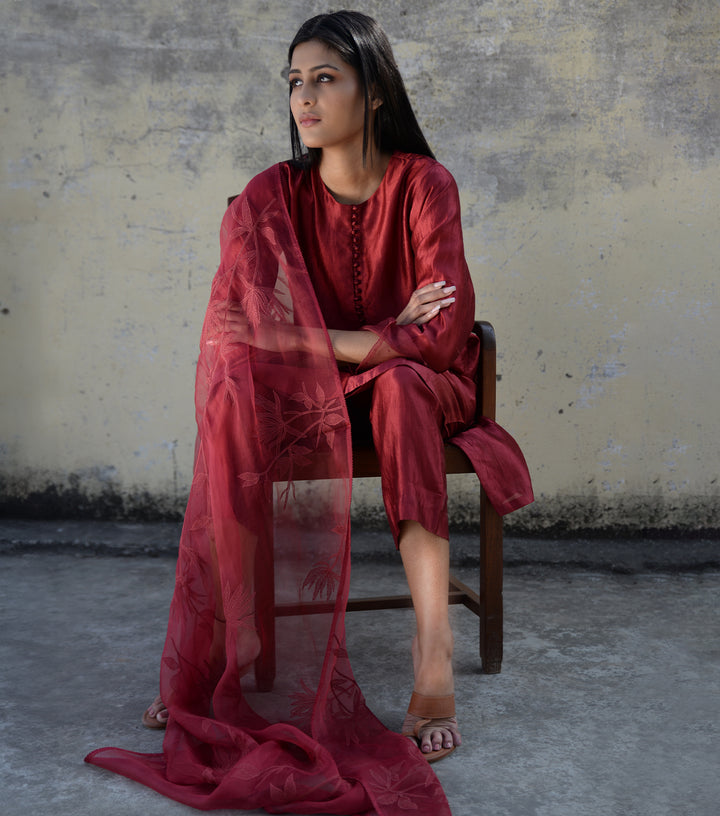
311	143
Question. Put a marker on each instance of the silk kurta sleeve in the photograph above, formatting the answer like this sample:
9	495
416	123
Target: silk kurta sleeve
438	256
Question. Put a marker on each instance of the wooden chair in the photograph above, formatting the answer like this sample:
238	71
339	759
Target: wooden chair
487	605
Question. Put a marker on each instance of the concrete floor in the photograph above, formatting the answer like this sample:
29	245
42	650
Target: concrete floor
608	702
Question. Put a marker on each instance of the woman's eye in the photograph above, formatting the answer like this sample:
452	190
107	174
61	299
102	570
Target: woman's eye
296	82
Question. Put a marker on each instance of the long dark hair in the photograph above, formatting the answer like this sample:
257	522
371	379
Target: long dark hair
361	43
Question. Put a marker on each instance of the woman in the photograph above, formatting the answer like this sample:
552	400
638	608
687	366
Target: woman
342	296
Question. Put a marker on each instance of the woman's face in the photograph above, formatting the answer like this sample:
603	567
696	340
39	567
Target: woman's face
326	98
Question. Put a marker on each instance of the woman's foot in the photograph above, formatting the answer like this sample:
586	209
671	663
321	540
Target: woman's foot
433	722
156	715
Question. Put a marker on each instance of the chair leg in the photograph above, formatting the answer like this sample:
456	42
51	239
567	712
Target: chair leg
491	580
265	663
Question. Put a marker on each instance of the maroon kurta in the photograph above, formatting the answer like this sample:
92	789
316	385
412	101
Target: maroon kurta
365	261
270	410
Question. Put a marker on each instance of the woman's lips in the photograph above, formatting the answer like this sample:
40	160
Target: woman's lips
309	121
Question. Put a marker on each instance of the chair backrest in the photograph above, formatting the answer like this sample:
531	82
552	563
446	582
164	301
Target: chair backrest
487	370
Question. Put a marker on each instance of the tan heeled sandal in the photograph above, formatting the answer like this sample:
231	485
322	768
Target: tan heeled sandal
434	712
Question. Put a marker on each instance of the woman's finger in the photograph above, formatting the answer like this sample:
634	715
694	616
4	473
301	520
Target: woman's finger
428	316
426	295
423	300
430	287
434	310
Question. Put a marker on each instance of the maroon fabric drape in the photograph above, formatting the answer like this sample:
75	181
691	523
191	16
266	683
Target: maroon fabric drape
270	406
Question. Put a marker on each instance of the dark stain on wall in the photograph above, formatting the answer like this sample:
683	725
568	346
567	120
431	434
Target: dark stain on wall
557	516
74	501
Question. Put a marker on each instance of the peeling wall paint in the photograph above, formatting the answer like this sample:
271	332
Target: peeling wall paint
584	136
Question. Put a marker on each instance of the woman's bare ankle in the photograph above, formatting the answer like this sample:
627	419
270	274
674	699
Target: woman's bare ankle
432	664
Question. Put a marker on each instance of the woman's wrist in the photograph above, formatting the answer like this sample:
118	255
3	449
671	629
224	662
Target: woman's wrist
351	346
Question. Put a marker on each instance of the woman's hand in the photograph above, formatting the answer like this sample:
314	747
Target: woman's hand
263	333
426	303
268	334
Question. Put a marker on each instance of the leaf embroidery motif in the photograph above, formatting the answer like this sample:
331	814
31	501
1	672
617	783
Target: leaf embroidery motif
271	420
321	578
239	605
294	435
285	794
256	303
401	785
303	702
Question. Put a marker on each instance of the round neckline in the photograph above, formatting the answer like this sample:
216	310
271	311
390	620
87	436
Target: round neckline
316	171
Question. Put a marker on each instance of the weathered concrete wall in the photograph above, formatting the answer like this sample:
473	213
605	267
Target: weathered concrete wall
583	134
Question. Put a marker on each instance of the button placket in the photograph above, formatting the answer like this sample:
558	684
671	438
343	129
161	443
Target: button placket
357	262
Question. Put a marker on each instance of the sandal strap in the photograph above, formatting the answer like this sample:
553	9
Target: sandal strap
431	708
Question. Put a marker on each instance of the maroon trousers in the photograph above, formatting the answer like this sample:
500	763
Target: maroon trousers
409	416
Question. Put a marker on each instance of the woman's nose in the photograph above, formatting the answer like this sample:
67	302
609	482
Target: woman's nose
305	96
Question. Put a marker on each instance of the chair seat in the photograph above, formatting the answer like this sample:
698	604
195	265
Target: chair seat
365	461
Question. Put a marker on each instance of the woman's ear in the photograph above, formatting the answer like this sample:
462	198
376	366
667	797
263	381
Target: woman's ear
375	99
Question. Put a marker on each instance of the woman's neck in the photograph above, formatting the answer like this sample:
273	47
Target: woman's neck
349	181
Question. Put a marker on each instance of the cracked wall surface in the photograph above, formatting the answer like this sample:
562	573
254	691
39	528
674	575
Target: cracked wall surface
584	137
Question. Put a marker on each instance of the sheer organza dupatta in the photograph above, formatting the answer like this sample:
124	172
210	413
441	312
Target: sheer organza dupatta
267	526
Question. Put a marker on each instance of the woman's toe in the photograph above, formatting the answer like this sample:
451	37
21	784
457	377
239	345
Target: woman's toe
157	710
